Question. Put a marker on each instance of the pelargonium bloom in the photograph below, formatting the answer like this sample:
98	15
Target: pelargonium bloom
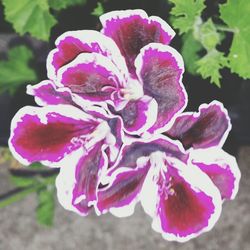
181	190
204	133
108	97
124	66
64	135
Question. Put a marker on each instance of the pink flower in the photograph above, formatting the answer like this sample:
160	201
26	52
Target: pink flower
182	190
109	96
128	66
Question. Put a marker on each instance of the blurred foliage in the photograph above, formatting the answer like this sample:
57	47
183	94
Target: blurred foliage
7	158
185	13
30	16
28	180
16	70
35	16
210	65
206	35
190	49
46	205
99	10
235	13
63	4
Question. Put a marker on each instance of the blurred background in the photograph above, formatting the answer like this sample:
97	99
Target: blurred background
30	216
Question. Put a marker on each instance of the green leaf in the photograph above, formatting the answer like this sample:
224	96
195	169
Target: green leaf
17	196
45	189
31	16
16	70
235	13
20	181
36	165
186	13
98	11
209	66
5	154
46	206
63	4
208	35
189	51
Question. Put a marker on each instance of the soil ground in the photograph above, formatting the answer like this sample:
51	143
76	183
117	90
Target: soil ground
19	230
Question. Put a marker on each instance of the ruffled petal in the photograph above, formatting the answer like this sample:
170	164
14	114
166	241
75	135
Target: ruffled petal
132	90
46	93
206	128
123	191
50	133
65	183
115	139
72	43
139	115
93	77
115	135
132	30
184	202
133	149
221	167
160	69
88	175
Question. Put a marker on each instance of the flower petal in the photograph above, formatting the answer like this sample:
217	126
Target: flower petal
132	30
93	77
65	183
136	148
115	139
49	133
209	127
88	174
122	193
46	93
187	202
114	136
221	167
160	69
139	115
72	43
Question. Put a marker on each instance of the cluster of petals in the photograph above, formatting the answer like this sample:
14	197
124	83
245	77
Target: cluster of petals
111	118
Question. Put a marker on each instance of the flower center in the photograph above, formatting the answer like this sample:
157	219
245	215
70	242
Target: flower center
133	90
162	168
88	141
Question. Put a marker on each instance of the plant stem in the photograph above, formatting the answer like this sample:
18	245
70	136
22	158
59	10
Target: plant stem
20	193
15	195
226	29
34	172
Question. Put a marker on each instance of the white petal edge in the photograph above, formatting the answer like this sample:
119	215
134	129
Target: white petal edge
88	37
128	209
30	90
41	112
120	14
128	140
197	114
139	64
189	173
65	181
96	59
215	155
151	115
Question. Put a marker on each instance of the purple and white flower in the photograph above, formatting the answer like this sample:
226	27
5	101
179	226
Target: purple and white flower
182	190
123	66
108	97
65	136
